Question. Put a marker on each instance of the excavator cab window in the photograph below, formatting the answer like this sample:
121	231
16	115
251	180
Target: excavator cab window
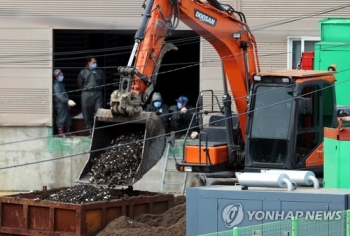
270	123
309	131
272	103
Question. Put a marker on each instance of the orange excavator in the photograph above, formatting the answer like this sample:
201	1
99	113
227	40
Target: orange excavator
280	115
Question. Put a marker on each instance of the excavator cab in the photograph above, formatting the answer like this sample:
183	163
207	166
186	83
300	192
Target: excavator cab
288	112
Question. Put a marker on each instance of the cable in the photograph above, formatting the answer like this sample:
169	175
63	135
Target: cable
154	137
113	125
286	21
115	83
133	121
256	28
165	72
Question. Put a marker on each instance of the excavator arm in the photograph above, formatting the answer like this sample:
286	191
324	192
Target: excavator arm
223	27
138	81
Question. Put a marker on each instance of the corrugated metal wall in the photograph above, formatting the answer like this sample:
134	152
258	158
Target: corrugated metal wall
75	8
271	41
277	9
25	32
25	65
272	55
26	53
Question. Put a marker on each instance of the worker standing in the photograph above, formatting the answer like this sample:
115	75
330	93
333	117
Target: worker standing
181	117
90	80
161	109
62	105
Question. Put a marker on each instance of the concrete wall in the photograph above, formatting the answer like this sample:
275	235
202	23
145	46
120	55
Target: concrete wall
43	146
22	145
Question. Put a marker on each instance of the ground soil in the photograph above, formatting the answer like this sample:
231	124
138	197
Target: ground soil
171	222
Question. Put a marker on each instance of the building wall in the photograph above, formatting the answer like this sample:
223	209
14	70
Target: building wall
272	22
26	43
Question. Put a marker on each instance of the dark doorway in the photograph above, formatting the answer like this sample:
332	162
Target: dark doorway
179	74
112	49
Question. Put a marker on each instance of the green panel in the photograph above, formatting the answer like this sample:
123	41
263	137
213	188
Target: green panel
336	163
344	164
331	163
330	29
333	53
67	146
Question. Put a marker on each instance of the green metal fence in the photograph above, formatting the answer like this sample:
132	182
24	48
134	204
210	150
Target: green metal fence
294	227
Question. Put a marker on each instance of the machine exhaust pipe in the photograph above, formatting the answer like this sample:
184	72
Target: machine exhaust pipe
273	180
300	177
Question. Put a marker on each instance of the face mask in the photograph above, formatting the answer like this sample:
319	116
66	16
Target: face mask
60	79
157	104
93	66
179	105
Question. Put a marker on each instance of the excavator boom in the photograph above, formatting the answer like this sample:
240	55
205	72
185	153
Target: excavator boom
220	26
223	27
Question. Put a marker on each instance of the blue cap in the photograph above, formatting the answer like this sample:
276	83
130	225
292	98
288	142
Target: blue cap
182	99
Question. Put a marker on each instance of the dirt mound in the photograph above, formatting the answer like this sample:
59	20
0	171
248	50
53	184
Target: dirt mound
179	200
171	222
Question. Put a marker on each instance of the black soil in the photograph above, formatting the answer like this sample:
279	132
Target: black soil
118	164
84	193
80	194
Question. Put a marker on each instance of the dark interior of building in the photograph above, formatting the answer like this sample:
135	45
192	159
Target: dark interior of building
112	49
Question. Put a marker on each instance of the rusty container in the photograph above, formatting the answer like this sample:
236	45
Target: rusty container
24	214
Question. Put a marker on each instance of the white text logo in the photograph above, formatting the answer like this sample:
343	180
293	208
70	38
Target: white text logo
205	18
233	215
287	215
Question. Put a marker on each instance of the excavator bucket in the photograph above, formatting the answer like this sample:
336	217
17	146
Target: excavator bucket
123	165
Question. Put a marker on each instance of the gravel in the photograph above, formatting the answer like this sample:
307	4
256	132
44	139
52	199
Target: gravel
118	164
82	193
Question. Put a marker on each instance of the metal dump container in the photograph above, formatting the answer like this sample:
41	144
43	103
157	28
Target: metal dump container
22	214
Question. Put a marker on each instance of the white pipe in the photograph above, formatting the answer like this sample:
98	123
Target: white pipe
288	183
300	177
315	181
274	180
